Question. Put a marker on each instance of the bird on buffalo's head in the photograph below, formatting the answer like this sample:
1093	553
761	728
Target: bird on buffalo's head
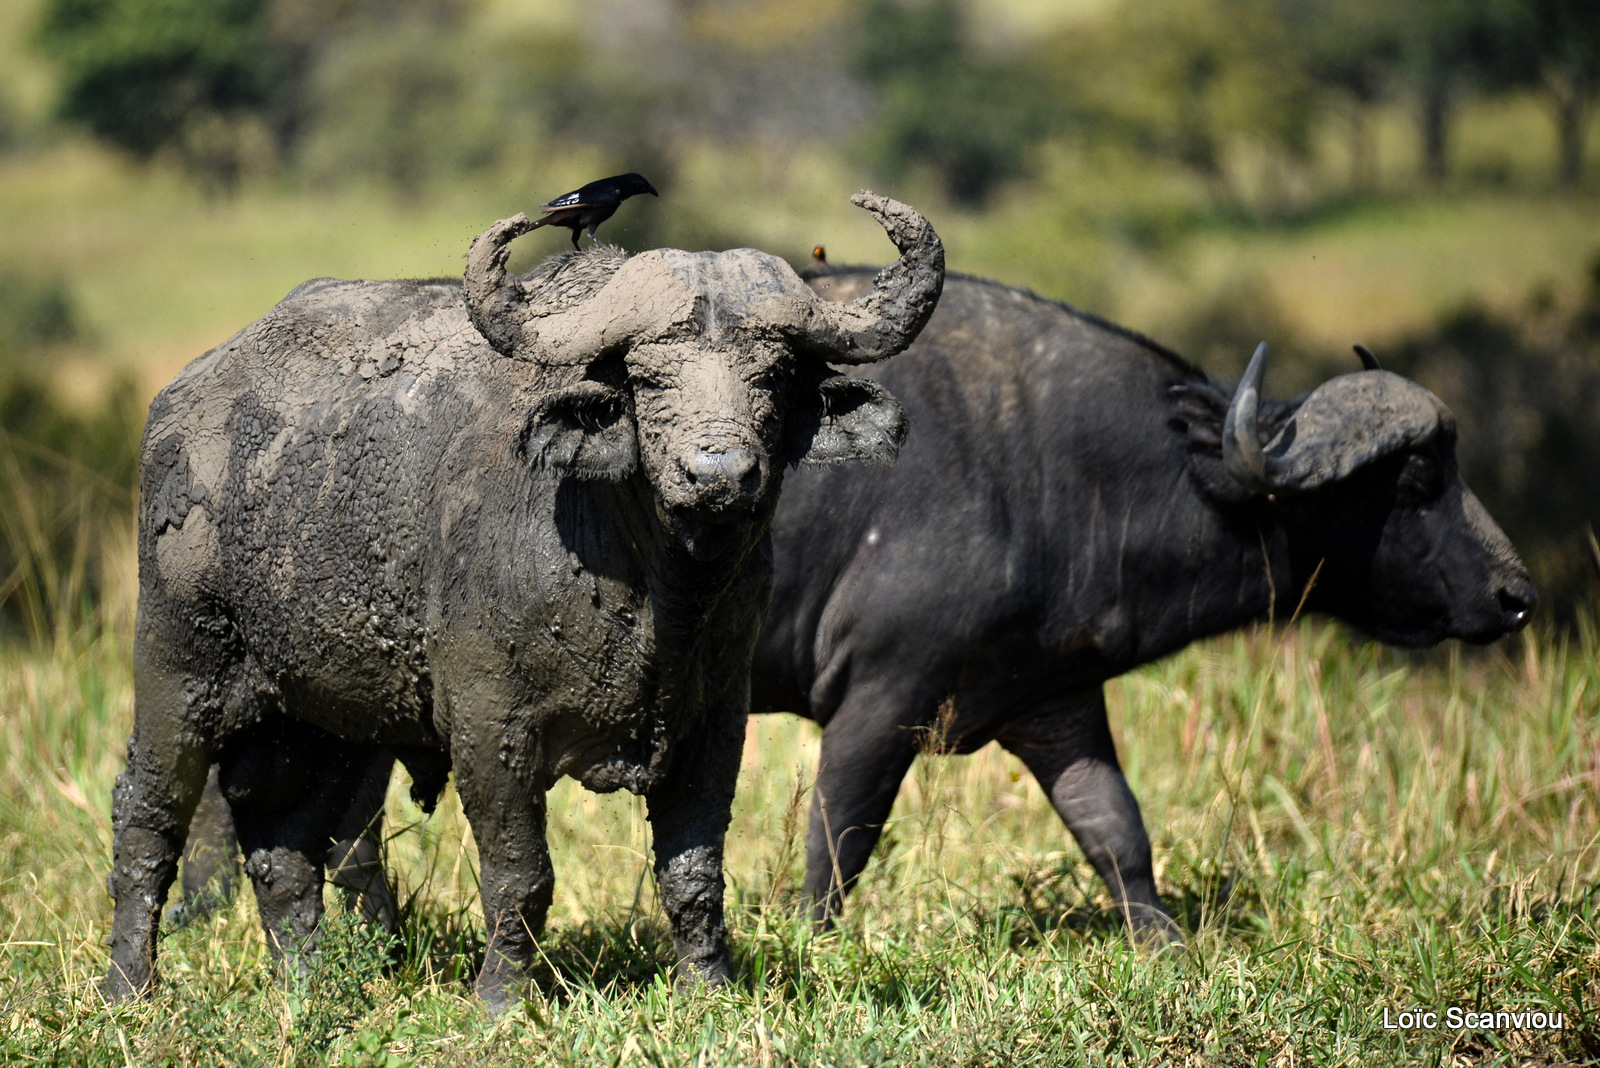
707	371
584	209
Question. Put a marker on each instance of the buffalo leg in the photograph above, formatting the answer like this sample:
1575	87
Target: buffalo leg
689	814
355	863
210	859
152	804
865	755
285	850
516	879
1069	750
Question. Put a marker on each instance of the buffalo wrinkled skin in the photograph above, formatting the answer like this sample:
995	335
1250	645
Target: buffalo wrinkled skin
529	549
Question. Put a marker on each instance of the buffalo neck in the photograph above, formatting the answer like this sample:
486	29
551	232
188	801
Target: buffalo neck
1162	562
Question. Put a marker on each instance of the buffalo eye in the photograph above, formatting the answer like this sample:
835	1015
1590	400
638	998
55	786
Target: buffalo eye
1421	479
585	430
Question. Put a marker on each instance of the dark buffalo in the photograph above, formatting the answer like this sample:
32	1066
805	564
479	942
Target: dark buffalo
518	536
1074	501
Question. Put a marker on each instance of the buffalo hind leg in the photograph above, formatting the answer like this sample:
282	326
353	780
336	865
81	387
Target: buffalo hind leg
865	755
210	859
286	848
151	806
355	862
1068	748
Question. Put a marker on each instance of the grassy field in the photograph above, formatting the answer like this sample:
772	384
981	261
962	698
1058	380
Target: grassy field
1344	830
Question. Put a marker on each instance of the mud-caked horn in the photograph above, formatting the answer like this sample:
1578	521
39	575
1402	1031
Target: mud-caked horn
497	302
903	296
528	319
1346	422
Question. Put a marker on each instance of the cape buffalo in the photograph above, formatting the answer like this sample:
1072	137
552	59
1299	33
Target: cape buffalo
518	535
1073	501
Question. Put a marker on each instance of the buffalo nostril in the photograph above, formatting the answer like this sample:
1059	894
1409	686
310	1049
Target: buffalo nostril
741	468
735	467
1517	602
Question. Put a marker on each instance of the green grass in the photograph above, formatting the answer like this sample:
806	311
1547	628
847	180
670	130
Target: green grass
1342	828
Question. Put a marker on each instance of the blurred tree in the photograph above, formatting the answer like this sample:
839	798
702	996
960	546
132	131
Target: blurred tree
394	100
33	313
9	126
1447	46
974	121
1190	79
66	474
1554	46
1351	51
164	75
345	83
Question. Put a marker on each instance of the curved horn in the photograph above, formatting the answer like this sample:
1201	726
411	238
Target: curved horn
1346	422
903	295
1241	442
497	303
1369	362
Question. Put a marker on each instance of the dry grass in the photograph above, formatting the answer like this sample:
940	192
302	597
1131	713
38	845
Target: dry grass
1343	829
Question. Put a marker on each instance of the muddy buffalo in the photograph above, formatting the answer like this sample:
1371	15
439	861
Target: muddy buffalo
515	529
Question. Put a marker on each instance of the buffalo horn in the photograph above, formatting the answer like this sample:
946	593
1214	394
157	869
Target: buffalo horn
1369	362
1241	443
497	303
903	296
1346	422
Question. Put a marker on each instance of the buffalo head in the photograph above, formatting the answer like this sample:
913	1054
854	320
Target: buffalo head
707	370
1363	472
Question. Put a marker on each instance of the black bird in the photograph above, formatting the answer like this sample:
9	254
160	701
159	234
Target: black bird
586	208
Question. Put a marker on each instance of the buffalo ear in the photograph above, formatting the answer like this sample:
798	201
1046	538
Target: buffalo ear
584	430
841	419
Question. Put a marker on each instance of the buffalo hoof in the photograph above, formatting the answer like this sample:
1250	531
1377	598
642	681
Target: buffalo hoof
123	983
501	990
1152	929
693	977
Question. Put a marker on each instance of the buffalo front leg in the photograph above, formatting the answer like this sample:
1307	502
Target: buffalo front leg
867	748
689	813
516	879
1068	748
151	806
